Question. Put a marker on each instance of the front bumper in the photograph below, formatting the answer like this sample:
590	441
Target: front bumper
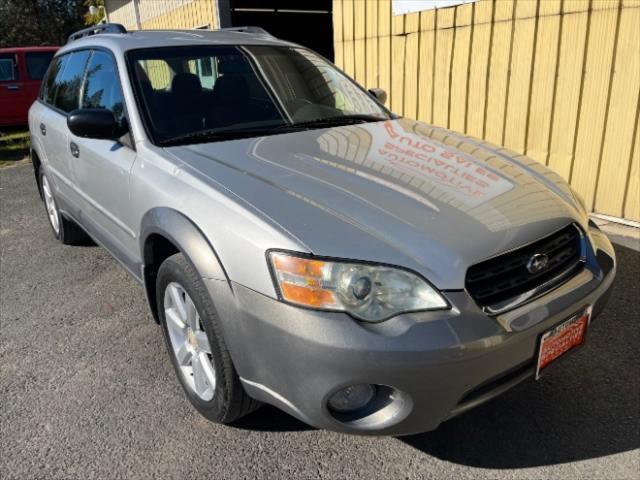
432	365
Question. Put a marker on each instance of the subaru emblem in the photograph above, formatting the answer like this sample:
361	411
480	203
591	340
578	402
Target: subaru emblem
537	263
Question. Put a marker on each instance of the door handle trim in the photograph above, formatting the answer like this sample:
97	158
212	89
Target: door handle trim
43	129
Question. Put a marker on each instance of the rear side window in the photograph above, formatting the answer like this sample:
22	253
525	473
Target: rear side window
102	87
67	82
37	63
8	68
47	91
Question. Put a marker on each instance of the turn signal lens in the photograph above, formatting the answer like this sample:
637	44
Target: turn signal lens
301	281
369	292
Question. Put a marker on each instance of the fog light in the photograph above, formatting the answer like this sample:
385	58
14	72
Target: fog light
351	398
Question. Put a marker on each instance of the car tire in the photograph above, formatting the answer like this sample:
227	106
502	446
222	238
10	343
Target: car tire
196	345
65	230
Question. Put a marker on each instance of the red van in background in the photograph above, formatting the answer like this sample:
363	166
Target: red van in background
21	71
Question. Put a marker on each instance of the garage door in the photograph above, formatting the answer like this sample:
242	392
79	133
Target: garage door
307	22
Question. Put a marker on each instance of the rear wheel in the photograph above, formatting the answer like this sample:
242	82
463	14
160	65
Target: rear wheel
64	229
196	345
50	205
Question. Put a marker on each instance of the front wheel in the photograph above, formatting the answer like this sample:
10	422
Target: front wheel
195	343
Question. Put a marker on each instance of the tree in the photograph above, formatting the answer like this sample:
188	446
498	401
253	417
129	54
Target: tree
37	22
93	19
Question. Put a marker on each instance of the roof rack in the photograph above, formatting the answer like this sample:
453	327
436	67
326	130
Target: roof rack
96	29
246	29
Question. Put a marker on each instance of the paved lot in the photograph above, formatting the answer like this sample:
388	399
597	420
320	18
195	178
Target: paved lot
87	390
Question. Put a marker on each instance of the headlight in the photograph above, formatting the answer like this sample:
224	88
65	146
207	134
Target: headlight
369	292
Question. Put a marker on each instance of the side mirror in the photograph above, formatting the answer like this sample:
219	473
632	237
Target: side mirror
95	123
379	94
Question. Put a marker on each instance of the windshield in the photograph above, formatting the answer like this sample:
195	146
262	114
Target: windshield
209	93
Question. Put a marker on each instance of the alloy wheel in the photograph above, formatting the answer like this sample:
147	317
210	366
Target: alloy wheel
50	203
189	342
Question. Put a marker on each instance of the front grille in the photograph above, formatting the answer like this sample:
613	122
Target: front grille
506	277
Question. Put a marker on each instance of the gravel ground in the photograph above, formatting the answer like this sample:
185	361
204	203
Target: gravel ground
87	389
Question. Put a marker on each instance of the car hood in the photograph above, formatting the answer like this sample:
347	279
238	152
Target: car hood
398	192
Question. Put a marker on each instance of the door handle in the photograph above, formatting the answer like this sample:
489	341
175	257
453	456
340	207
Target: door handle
43	129
75	150
13	87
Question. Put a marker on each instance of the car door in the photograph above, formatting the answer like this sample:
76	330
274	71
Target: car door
62	95
13	106
100	168
42	132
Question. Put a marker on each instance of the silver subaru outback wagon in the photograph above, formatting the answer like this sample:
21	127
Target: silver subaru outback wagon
301	245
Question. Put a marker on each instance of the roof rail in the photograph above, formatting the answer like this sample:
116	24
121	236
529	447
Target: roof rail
247	29
96	29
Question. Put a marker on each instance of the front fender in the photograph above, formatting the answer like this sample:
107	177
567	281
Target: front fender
187	238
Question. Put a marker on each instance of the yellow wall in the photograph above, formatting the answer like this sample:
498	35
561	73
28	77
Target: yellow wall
186	14
121	11
557	80
163	14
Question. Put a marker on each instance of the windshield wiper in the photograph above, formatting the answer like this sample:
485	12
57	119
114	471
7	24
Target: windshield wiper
333	121
221	134
217	134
